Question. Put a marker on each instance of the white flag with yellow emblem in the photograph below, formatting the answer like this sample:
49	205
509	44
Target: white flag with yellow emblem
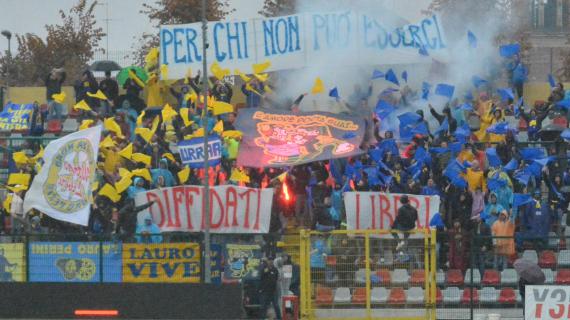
62	188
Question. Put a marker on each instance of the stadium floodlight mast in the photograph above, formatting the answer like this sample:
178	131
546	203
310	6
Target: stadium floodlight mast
206	202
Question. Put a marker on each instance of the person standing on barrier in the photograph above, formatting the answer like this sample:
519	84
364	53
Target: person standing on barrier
405	221
268	287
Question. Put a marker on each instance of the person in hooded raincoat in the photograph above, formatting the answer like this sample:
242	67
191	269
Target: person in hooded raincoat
163	171
492	210
137	187
148	231
503	232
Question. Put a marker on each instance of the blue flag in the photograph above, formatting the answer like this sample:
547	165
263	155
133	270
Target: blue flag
472	39
405	76
466	107
565	134
454	168
506	94
409	119
444	127
499	128
534	169
522	177
377	74
545	161
422	155
455	147
511	165
558	194
445	90
510	50
463	131
436	221
391	76
493	157
551	80
334	93
469	96
477	81
458	181
530	153
518	106
494	183
438	150
564	104
383	109
372	174
388	91
421	129
426	87
520	199
335	171
388	145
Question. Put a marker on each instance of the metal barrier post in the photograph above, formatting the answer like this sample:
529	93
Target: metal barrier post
433	271
305	276
100	260
471	271
367	262
27	253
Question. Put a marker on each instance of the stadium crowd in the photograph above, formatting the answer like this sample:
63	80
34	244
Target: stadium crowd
491	180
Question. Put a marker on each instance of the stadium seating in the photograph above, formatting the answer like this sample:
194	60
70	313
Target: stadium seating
360	276
553	240
507	296
324	295
489	295
491	278
330	261
415	295
418	278
564	257
359	296
379	295
440	278
342	295
438	296
509	277
549	275
466	296
476	277
384	276
563	276
547	259
54	126
400	277
397	296
530	255
70	125
451	295
454	278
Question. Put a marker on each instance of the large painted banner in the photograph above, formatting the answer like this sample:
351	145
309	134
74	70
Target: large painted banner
241	260
278	139
546	302
74	262
12	263
16	116
232	209
377	210
172	262
301	40
63	188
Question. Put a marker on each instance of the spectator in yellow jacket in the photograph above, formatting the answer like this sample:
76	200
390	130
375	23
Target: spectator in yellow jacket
476	178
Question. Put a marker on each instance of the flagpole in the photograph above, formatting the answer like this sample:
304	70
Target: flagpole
206	203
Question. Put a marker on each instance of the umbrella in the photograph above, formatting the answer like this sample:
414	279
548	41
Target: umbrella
529	271
124	74
105	65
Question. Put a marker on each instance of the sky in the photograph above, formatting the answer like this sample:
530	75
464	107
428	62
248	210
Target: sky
126	23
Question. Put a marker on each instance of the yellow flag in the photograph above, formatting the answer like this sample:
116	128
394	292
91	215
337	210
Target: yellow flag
169	156
110	192
218	72
39	155
243	76
250	88
85	124
17	188
267	89
142	158
318	87
151	58
191	96
235	134
136	79
20	157
164	71
125	173
184	174
127	152
261	77
7	204
19	178
123	184
111	125
107	142
99	95
95	186
282	176
145	133
168	113
219	127
198	133
239	176
144	173
82	105
184	116
220	107
261	67
58	97
155	122
140	119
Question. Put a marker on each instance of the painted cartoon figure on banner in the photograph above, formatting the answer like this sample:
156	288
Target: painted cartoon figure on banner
6	268
294	139
242	260
68	186
80	269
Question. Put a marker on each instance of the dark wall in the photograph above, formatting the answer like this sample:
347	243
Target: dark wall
148	301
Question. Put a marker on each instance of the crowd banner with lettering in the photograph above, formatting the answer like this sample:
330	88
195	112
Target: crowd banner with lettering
63	188
172	262
546	302
192	151
74	262
232	209
377	210
16	116
241	260
279	139
301	40
216	263
12	263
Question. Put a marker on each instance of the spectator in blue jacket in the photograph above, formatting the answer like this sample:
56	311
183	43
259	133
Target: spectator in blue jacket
492	210
535	223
